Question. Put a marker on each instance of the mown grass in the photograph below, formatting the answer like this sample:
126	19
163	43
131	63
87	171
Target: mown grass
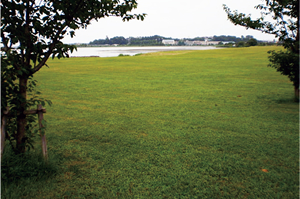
186	124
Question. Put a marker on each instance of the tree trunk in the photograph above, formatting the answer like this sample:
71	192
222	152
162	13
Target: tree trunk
296	94
21	118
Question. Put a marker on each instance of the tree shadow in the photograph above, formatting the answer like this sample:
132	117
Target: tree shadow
29	166
278	99
286	101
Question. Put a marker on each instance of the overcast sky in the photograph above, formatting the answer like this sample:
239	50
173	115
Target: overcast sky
176	19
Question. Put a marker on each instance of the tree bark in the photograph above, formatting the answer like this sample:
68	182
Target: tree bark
296	94
21	118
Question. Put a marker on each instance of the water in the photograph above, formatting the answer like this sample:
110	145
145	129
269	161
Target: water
116	51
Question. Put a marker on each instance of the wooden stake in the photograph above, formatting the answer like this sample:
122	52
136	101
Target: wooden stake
3	129
40	111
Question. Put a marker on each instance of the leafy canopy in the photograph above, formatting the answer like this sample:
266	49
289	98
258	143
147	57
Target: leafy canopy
38	26
31	32
285	23
285	26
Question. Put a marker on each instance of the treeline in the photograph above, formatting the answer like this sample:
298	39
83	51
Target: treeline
107	41
156	40
223	38
232	38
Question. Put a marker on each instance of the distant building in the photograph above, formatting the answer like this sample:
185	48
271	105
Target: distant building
213	42
201	43
228	42
189	43
169	42
268	41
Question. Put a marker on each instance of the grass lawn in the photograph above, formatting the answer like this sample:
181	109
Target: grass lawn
184	124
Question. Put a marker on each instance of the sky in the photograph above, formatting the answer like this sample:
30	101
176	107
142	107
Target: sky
176	19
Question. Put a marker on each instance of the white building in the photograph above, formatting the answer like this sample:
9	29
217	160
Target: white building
168	41
189	43
213	42
228	42
201	43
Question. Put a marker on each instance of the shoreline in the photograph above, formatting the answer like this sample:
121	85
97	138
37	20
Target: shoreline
129	50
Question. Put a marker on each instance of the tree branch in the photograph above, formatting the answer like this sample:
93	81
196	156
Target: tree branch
55	41
47	55
51	48
27	33
4	41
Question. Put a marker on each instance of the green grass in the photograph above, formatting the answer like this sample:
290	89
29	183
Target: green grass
186	124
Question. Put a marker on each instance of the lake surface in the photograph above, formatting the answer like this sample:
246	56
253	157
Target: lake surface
116	51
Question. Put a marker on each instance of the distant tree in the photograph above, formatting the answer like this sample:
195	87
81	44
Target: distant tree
181	43
285	26
107	40
199	39
31	32
240	44
248	37
147	41
231	38
252	42
118	40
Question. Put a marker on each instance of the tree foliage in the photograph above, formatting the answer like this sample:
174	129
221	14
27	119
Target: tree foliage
107	41
252	42
31	32
231	38
155	40
287	63
284	25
